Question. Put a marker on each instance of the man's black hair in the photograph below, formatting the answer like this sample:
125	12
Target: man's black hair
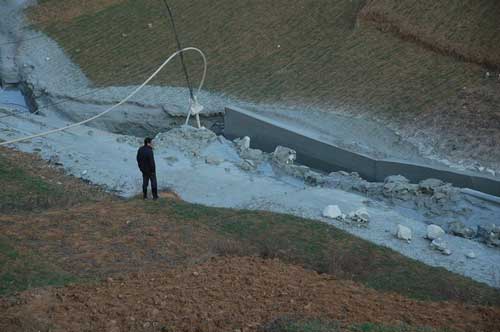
147	140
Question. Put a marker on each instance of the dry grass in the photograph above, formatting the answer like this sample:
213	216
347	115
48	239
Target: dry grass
468	30
316	53
30	184
68	10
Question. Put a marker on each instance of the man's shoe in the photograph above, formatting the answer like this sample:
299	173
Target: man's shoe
155	198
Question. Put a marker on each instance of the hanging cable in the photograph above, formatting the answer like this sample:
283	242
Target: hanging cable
179	47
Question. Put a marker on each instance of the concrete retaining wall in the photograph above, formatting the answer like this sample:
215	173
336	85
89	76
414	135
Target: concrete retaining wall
266	134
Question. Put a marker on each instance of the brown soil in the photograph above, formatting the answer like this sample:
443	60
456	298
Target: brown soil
109	238
225	295
67	10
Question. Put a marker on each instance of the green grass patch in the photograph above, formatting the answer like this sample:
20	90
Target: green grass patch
274	50
24	189
21	191
323	325
371	327
20	271
326	249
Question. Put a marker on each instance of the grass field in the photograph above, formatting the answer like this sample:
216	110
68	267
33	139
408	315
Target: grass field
28	185
291	51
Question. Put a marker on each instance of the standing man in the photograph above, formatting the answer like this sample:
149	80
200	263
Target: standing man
146	162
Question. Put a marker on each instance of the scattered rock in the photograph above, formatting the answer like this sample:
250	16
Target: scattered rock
333	212
243	143
403	233
459	229
314	178
439	244
434	232
471	255
211	160
252	154
446	252
361	217
396	179
283	155
84	172
429	186
150	25
399	187
489	234
246	165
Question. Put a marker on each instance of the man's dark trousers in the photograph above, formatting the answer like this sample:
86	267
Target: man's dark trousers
146	178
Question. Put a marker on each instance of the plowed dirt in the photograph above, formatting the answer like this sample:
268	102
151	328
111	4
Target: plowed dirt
227	294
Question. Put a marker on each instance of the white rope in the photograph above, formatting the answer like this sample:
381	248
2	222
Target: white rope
121	102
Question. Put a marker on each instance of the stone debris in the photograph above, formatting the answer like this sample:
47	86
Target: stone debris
284	156
252	154
471	255
434	232
314	178
440	245
489	234
333	212
403	233
247	165
430	186
360	217
211	160
459	229
397	186
242	143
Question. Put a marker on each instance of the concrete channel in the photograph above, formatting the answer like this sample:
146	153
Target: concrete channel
266	134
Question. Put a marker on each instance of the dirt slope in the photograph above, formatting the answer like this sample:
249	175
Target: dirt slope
229	294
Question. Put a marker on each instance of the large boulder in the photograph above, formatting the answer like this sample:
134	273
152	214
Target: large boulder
489	234
430	186
314	178
458	228
441	246
284	156
397	186
403	233
434	232
360	216
242	143
333	212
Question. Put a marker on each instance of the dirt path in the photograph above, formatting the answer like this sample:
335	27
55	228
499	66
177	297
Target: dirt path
225	295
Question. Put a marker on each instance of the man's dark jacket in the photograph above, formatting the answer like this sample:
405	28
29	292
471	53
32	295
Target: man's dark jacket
146	160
